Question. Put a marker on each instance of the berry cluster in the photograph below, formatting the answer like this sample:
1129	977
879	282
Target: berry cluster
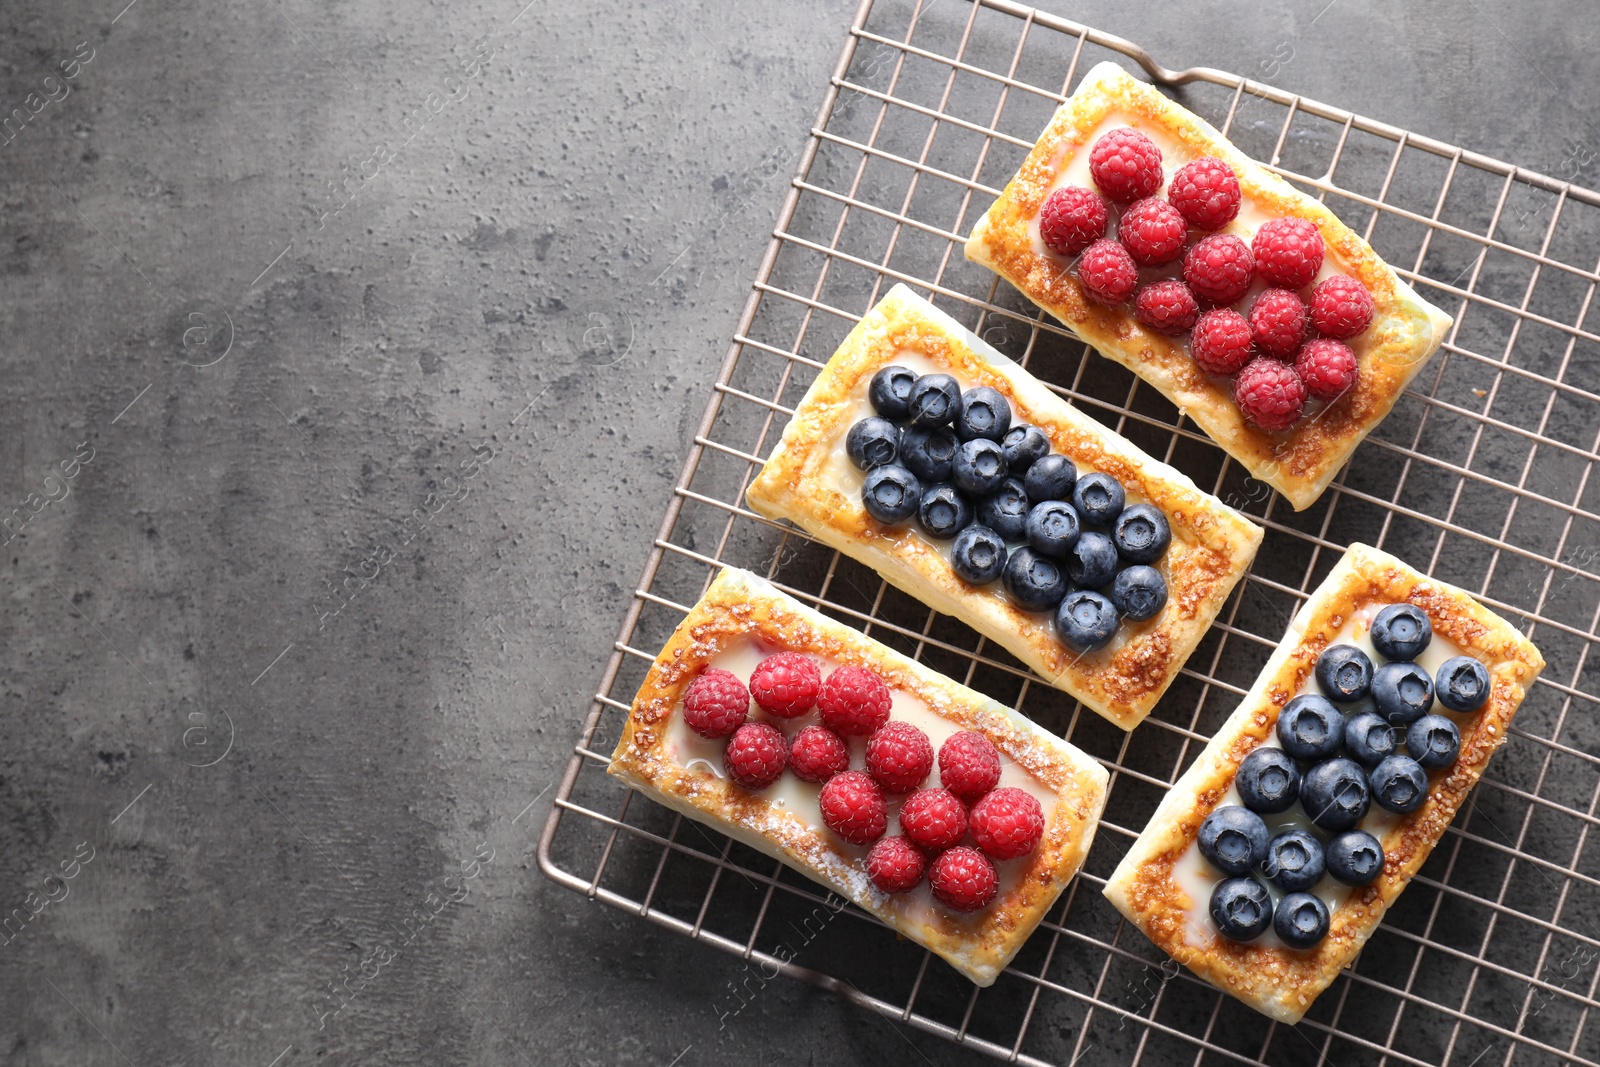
1016	512
1286	349
1336	763
1000	823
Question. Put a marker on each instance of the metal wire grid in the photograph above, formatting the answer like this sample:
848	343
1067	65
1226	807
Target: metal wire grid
1482	476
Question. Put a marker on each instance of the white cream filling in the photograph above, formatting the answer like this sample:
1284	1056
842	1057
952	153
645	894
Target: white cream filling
1198	878
699	755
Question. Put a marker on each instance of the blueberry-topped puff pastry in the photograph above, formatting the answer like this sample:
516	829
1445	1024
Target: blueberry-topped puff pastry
1272	860
925	454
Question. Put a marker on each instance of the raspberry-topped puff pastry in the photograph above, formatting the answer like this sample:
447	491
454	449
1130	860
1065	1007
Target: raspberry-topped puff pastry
1247	303
950	817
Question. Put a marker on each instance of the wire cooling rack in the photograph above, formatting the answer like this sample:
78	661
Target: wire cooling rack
1481	476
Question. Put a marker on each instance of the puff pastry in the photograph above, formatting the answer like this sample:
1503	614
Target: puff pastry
1148	885
741	614
810	481
1300	462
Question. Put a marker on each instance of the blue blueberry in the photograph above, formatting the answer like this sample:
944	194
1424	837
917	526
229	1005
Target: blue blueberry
1052	528
891	494
1268	780
1344	673
1334	793
1035	582
873	442
928	453
1433	741
1294	861
1401	632
1301	920
1354	857
1050	478
1462	684
934	400
1139	592
1368	738
1005	511
1399	784
1024	446
890	390
1099	499
1085	620
978	555
1311	728
1241	908
944	512
984	413
1092	562
979	467
1142	534
1403	692
1234	839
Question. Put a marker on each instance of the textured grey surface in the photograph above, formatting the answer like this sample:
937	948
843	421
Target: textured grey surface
310	631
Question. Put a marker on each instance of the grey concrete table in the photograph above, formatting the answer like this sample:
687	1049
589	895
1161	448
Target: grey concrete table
323	529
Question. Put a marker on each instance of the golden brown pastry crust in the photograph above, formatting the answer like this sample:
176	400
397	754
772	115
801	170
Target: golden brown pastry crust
1278	981
741	606
1212	545
1299	463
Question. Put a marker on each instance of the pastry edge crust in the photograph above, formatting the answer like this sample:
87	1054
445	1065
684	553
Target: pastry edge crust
1212	544
740	605
1279	982
1406	330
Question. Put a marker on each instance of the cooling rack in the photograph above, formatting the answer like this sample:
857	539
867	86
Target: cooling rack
1481	476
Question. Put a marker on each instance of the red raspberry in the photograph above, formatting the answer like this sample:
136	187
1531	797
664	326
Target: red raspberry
1073	218
716	704
934	819
899	756
786	684
1328	368
817	754
1288	252
1166	307
969	765
756	755
1206	192
1126	165
963	879
1153	231
1270	393
1341	307
852	807
854	701
1277	325
1220	342
895	866
1218	268
1007	823
1107	272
